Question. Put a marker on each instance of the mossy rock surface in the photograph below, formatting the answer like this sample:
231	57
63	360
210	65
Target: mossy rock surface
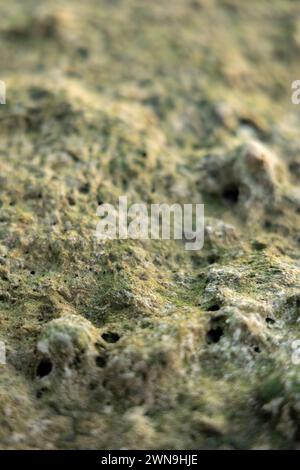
143	344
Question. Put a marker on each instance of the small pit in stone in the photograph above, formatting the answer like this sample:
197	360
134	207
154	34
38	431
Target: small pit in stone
110	337
213	308
44	368
213	258
214	334
41	392
101	361
85	188
230	194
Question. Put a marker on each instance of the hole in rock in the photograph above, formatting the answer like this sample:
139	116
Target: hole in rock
214	308
85	188
213	258
231	194
44	368
214	334
268	225
71	201
41	392
110	337
101	361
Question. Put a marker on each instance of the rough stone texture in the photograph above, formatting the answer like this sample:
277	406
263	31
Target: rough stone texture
142	344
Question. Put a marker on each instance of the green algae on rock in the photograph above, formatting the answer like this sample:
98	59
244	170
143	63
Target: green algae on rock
142	344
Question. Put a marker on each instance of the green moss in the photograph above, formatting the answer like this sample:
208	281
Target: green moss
131	98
